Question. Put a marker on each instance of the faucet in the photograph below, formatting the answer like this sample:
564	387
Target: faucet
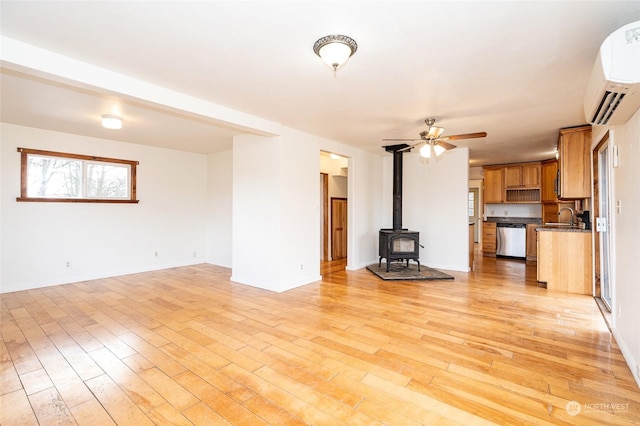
571	222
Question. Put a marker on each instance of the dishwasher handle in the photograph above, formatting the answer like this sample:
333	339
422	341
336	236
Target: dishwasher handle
499	240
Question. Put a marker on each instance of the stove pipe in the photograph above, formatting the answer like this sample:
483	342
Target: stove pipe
398	152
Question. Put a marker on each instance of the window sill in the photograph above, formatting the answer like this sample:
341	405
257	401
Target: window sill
75	200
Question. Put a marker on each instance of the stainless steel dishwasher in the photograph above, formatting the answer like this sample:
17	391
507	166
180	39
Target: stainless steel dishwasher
511	240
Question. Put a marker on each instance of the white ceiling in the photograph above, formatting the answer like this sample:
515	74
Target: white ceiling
517	70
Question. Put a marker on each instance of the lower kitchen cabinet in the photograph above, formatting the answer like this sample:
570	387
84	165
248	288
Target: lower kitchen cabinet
564	260
488	238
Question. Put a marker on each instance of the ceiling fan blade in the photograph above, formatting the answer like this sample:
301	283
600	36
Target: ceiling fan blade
400	140
465	136
446	145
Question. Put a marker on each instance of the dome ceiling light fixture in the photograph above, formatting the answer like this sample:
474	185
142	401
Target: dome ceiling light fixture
111	122
335	50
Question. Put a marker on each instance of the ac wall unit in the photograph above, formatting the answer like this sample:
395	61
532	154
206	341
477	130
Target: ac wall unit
613	91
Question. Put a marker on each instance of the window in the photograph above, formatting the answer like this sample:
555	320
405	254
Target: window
471	205
60	177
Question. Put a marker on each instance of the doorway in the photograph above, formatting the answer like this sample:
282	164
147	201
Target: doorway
334	182
602	218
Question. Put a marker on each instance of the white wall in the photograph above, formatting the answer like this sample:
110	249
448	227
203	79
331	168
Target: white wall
364	208
276	201
256	211
219	208
435	204
275	211
299	259
100	240
626	236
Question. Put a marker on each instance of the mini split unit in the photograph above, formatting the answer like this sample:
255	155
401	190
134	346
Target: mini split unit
613	91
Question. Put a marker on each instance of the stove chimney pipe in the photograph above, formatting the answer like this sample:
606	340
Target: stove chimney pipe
398	151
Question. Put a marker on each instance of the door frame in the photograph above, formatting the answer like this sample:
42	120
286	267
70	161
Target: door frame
476	211
324	182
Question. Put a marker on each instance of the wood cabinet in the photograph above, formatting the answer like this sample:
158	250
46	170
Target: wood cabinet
488	238
564	261
550	212
575	172
549	176
550	203
532	244
493	185
522	176
512	183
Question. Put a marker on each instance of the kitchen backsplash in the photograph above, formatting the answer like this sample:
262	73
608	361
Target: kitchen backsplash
512	210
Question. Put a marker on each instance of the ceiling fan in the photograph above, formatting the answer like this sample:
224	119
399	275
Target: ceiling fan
431	140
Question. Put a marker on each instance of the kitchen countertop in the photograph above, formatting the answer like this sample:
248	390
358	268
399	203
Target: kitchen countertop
561	229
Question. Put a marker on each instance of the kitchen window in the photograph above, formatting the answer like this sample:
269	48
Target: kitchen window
48	176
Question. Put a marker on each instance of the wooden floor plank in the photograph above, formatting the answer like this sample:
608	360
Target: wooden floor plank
50	408
118	405
15	408
187	346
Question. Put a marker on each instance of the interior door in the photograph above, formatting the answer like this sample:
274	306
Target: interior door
338	228
603	221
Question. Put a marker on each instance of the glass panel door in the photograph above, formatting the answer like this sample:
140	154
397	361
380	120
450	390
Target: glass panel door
603	224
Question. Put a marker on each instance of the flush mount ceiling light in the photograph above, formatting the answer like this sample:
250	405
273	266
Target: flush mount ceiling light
111	122
335	50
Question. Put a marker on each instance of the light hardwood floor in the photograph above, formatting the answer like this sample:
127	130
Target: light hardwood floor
187	346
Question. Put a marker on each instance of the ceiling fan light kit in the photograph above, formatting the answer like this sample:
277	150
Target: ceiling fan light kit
431	140
425	151
335	49
434	132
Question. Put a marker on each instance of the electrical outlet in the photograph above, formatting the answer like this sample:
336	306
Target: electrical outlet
638	371
195	254
67	264
301	267
155	253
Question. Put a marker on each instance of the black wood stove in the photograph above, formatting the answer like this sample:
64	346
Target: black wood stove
397	243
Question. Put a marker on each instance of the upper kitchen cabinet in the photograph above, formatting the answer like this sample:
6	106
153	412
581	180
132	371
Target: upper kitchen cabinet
522	183
493	185
573	162
522	176
512	183
549	172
